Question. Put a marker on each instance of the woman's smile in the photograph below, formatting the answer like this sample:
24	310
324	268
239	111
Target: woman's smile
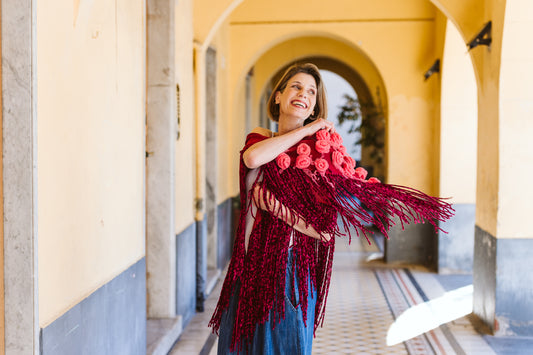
299	103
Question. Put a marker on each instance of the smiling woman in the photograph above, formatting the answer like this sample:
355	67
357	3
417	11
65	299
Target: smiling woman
257	316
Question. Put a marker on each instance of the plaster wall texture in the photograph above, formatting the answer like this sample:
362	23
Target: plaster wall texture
90	147
458	121
516	127
487	63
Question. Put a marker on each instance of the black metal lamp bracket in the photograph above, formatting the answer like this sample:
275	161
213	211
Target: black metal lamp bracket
484	37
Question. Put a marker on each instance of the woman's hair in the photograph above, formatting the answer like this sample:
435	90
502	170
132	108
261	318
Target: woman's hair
321	107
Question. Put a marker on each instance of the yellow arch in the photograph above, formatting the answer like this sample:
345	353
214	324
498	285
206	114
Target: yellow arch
208	15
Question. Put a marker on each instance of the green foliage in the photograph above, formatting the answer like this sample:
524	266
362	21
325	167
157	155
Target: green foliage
369	120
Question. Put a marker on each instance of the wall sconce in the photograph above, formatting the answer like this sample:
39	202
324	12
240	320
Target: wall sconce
484	37
435	68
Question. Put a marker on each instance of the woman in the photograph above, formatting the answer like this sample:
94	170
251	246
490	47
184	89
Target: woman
294	184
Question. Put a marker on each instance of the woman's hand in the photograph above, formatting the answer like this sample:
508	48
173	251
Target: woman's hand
319	124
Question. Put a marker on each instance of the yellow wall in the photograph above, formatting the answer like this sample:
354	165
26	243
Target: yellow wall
516	125
209	15
458	121
488	63
397	37
91	139
185	145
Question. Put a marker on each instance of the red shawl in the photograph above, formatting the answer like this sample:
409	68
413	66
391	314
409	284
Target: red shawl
319	182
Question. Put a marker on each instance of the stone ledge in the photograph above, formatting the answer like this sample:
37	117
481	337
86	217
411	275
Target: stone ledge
161	334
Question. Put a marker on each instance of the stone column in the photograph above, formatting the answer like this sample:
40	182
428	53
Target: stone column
19	117
160	147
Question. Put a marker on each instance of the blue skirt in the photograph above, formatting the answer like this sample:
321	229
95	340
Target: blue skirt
289	336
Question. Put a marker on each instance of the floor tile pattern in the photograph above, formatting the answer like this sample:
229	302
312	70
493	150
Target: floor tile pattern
357	313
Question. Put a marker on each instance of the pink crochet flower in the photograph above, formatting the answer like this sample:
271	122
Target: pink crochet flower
336	139
303	149
322	146
361	173
342	149
303	161
283	161
337	158
349	161
348	171
321	165
373	180
323	135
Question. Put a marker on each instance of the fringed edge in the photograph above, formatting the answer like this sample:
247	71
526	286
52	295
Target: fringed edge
388	201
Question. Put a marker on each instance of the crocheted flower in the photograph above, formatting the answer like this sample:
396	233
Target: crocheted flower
373	180
303	149
349	161
360	173
321	165
283	161
323	135
342	149
348	171
303	161
337	158
322	146
336	139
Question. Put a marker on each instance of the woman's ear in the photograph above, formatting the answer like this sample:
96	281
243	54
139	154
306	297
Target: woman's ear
277	100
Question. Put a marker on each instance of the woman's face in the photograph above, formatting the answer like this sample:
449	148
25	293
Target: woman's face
299	97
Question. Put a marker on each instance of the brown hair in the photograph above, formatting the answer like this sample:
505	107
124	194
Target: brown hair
321	107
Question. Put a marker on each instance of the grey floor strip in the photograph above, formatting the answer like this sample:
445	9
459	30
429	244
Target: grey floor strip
206	349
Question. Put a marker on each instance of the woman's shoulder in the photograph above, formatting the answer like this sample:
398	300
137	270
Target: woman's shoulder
262	131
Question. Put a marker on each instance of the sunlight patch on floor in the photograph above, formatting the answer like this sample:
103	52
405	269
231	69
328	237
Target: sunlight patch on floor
429	315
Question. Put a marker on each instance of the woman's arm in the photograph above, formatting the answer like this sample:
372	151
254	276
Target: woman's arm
266	201
267	150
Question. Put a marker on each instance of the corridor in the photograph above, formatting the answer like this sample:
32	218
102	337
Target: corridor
371	304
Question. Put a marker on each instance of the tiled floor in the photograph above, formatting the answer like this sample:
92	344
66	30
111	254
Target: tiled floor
371	304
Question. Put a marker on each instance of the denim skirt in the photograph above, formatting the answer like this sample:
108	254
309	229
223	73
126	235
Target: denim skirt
289	336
